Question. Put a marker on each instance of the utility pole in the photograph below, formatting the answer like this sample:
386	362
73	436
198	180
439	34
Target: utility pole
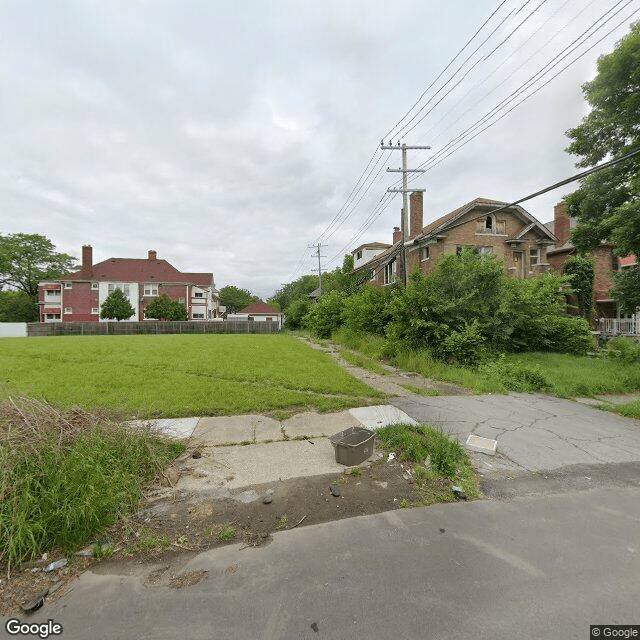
317	253
404	222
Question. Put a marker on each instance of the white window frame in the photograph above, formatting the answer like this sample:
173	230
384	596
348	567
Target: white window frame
197	316
55	293
68	310
68	285
534	256
485	251
424	253
95	285
150	289
95	311
198	294
390	272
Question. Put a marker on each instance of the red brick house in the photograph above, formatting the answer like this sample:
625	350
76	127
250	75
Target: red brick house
77	297
605	263
513	235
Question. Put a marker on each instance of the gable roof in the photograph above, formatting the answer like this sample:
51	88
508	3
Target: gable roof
259	307
372	245
140	270
447	221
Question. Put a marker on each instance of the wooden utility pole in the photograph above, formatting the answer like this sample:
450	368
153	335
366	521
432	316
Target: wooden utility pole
404	222
317	253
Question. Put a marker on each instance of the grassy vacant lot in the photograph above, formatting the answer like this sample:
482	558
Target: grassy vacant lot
178	375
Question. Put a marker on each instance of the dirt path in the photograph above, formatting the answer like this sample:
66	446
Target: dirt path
393	382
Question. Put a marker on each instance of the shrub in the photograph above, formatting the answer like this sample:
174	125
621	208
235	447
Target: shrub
465	347
296	312
326	315
624	349
515	376
367	311
567	334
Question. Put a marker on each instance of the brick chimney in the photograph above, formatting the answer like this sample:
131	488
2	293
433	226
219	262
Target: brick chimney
561	223
153	255
87	261
415	214
397	235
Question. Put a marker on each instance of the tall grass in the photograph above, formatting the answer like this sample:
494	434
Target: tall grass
67	475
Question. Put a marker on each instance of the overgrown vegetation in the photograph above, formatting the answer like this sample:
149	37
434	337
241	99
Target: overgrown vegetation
580	271
433	456
67	475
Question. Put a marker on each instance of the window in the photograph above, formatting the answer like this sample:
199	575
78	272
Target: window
424	253
198	294
95	311
359	255
49	293
389	272
198	316
151	289
484	251
458	250
111	288
68	309
94	285
535	256
488	224
125	289
68	285
181	300
51	317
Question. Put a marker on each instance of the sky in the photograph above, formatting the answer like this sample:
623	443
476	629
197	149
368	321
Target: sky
231	136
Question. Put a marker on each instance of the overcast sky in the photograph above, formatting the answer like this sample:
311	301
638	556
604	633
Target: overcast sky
228	135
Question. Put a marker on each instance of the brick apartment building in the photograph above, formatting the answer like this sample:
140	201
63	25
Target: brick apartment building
513	235
77	297
605	263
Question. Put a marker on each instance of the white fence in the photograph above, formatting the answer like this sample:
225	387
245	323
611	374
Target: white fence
622	326
13	329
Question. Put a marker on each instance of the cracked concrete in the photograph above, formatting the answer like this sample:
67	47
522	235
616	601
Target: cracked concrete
534	432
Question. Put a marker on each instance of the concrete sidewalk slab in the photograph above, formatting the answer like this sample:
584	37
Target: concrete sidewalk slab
378	416
318	424
237	429
180	428
242	466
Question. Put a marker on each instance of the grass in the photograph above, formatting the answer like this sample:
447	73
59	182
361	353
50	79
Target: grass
283	522
65	476
227	532
423	391
438	460
179	375
362	361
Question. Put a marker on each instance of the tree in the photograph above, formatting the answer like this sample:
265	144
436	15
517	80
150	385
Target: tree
26	259
628	290
580	272
116	307
17	306
164	308
235	299
607	204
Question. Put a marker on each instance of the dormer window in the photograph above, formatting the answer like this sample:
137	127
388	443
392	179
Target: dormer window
488	223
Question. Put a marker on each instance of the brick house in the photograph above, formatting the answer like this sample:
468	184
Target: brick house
513	235
259	311
77	297
605	263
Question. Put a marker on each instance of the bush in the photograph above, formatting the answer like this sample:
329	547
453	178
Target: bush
465	347
625	349
567	334
515	376
326	315
367	311
296	312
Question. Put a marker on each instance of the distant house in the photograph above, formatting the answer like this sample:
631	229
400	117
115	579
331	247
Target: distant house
258	311
77	297
315	294
605	263
512	234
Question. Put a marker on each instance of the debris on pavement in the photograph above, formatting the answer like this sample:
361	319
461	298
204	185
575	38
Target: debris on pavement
268	497
334	491
36	603
460	494
58	564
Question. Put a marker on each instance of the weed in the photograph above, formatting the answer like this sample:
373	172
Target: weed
404	503
423	391
66	476
150	541
360	360
182	540
226	532
283	522
356	472
244	443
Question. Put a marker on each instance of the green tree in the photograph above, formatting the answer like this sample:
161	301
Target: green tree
235	299
17	306
26	259
607	204
326	315
295	313
116	307
164	308
628	290
580	272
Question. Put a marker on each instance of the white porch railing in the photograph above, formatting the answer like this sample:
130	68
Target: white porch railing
624	326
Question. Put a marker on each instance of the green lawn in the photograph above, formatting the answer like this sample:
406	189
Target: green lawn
179	375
